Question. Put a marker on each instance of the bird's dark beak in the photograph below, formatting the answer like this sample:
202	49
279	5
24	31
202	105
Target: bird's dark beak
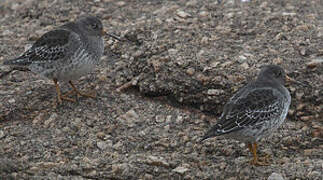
113	36
291	80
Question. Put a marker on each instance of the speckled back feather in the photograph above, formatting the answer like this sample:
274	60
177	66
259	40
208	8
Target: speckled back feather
52	46
261	104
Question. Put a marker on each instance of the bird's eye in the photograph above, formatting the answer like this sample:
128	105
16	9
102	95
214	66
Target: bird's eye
94	26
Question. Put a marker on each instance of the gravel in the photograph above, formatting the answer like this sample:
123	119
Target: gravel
160	89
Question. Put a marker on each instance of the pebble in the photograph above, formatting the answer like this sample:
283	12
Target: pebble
7	33
284	160
191	3
320	31
275	176
131	116
118	145
138	53
172	52
183	14
201	53
156	64
289	14
100	135
317	133
292	89
300	106
299	95
314	63
179	119
167	127
168	118
148	177
119	168
215	92
157	161
52	118
278	60
226	64
202	78
11	100
38	118
204	40
203	13
303	51
33	169
77	122
160	118
214	63
120	3
1	134
242	58
104	144
47	164
245	65
232	178
190	71
306	118
92	173
308	152
102	77
317	174
180	169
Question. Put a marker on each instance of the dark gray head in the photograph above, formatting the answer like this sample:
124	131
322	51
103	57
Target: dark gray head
92	25
272	72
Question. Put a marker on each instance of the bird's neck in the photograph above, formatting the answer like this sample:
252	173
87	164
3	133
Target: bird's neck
268	79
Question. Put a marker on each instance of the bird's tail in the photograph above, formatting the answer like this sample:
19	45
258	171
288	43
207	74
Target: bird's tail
19	61
211	133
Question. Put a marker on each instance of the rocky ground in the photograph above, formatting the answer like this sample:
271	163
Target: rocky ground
179	62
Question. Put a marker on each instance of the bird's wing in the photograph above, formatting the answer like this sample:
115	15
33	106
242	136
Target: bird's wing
52	46
251	108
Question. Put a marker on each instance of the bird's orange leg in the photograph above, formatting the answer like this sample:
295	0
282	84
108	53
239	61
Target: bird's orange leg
79	93
255	160
60	98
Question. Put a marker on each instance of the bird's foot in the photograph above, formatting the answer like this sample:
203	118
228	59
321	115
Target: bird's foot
65	98
61	97
69	93
79	93
60	100
261	161
258	161
89	94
